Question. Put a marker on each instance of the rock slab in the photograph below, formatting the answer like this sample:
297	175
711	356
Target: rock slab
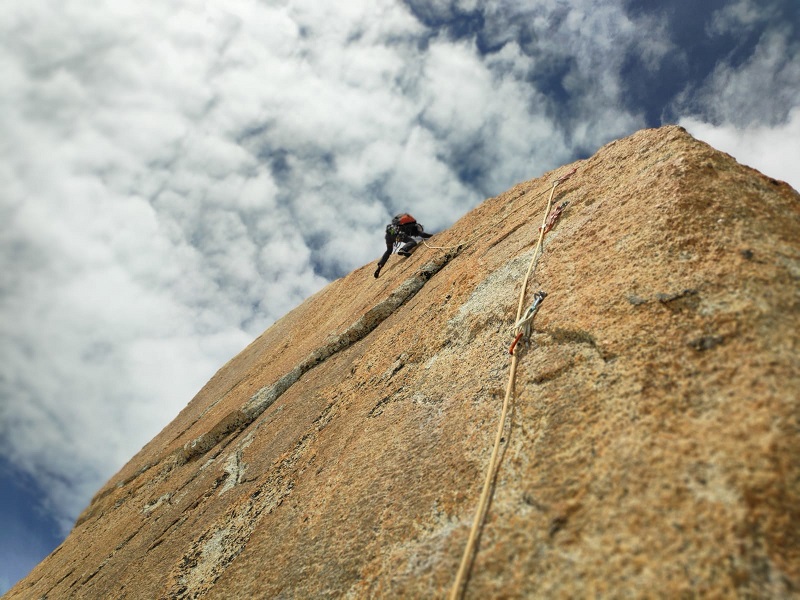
653	447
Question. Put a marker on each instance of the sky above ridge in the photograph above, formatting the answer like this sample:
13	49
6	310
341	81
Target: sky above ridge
174	177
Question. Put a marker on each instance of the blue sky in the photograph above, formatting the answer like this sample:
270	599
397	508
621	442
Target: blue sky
176	176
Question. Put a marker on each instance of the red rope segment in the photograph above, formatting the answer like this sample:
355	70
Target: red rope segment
515	342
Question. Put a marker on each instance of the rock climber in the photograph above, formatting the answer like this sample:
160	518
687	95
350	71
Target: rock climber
405	232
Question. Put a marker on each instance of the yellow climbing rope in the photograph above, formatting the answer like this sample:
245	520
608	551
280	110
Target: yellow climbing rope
458	586
477	235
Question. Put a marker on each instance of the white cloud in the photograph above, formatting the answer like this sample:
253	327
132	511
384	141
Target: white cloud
580	47
752	110
773	150
762	90
739	15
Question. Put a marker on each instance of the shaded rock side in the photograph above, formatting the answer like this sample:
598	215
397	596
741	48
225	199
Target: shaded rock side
653	448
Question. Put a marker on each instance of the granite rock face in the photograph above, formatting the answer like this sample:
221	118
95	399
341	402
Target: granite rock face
653	447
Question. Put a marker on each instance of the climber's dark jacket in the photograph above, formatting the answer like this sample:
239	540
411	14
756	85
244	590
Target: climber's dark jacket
401	233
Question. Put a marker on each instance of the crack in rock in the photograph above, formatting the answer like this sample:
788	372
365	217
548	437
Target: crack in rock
153	505
211	553
237	420
235	467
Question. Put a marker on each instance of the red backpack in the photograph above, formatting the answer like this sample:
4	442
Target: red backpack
403	219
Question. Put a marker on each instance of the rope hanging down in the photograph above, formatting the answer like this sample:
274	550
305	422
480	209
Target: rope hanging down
480	513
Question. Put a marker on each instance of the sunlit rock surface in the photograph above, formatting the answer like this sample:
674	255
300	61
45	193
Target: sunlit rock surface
653	448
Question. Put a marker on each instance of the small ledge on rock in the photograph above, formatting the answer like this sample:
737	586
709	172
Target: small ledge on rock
151	506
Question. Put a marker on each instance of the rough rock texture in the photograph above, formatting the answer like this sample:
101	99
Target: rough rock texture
653	449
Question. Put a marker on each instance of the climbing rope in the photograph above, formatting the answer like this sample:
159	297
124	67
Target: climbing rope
477	235
523	327
520	323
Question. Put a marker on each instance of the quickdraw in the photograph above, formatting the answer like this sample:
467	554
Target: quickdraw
524	322
554	216
523	326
